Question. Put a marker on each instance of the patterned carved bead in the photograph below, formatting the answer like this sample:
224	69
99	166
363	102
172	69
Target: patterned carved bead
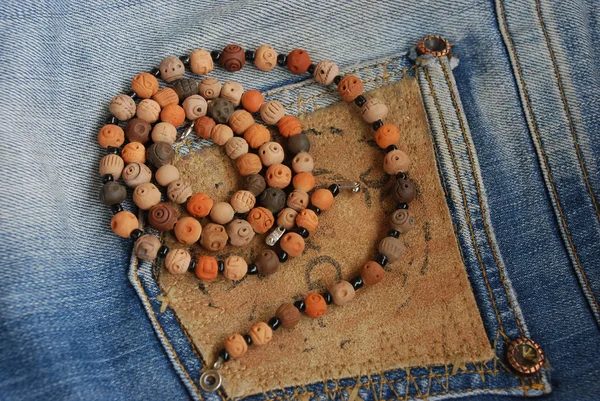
235	268
233	92
165	97
289	315
185	88
240	232
214	237
112	193
271	153
113	165
164	132
177	261
220	109
298	61
402	220
273	199
146	247
265	58
403	191
278	176
123	223
204	126
289	126
298	200
166	175
210	88
232	58
252	100
267	262
392	248
199	205
201	63
134	152
341	292
386	135
222	213
188	230
220	134
325	71
159	154
293	244
303	162
261	219
315	305
242	201
138	130
144	85
207	268
195	106
236	147
146	195
240	121
373	110
173	114
179	191
287	218
136	173
148	110
255	183
322	198
162	217
271	112
171	69
122	107
307	219
236	345
350	87
395	162
256	135
371	273
248	163
304	181
111	135
261	333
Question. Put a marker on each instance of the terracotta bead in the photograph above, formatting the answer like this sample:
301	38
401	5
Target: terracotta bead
159	154
248	163
293	244
232	58
201	63
402	220
188	230
341	292
179	191
303	162
123	223
235	268
236	147
273	199
326	71
162	217
240	121
235	345
350	87
261	219
173	114
288	315
222	213
113	165
138	130
395	162
255	183
136	173
287	218
220	109
242	201
171	69
307	219
298	144
146	195
134	152
144	85
177	261
165	97
207	268
164	132
261	333
315	305
146	247
122	107
233	92
386	135
304	181
203	127
112	193
271	112
265	58
371	273
111	135
298	200
199	205
220	134
240	232
214	237
278	176
322	198
298	61
289	126
403	191
185	88
271	153
392	248
373	110
209	88
166	175
252	100
267	262
256	135
195	107
148	110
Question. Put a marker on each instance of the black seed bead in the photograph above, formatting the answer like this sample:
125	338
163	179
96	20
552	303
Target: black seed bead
282	60
135	234
334	189
248	339
315	209
224	355
252	268
357	282
393	233
162	251
250	55
112	150
215	54
337	79
185	60
381	259
112	120
300	305
192	265
274	323
327	297
377	124
360	100
282	255
402	205
116	208
221	265
132	95
155	71
303	232
401	175
390	148
107	178
311	69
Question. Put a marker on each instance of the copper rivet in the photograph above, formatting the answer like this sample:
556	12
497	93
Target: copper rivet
525	356
433	45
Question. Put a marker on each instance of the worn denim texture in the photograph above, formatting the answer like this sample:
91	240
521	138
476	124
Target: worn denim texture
515	127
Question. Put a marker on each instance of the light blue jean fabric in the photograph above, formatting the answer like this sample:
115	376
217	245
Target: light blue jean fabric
515	128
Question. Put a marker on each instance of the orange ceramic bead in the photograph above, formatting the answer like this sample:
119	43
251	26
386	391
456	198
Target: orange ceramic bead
111	135
123	223
199	205
307	219
240	121
289	126
261	219
165	97
174	114
350	87
248	163
236	345
293	244
322	198
386	135
304	181
371	272
145	85
256	135
252	100
207	268
298	61
188	230
278	176
134	152
315	305
204	126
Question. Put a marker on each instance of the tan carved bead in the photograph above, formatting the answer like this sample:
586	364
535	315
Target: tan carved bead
240	232
373	110
256	135
395	162
171	69
236	345
166	174
341	292
307	219
271	112
148	110
164	132
261	333
402	220
265	58
113	165
302	162
235	268
271	153
233	92
236	147
201	63
195	106
242	201
240	121
220	134
326	71
178	261
287	218
392	248
122	107
298	200
261	219
214	237
209	88
146	247
144	85
146	195
165	97
278	176
179	191
135	174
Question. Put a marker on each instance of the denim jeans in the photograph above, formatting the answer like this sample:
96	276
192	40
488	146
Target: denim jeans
514	124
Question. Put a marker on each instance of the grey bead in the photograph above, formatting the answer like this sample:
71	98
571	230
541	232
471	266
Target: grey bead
255	183
185	88
220	109
112	193
159	154
298	143
273	199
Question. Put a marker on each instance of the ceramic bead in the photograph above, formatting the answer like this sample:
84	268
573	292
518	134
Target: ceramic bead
298	144
273	199
135	174
123	223
261	219
298	200
146	195
403	191
326	71
395	162
173	114
195	107
164	132
179	191
112	193
402	220
199	205
315	305
252	100
350	87
287	218
165	97
220	134
185	88
386	135
293	244
122	107
289	126
159	154
222	213
220	109
236	345
148	110
177	261
248	163
134	152
201	63
341	292
214	237
138	130
146	247
255	183
166	175
256	135
298	61
162	217
210	88
240	232
392	248
289	315
233	92
304	181
203	127
232	58
171	69
371	273
303	162
267	262
373	110
144	85
265	58
307	219
111	135
242	201
271	112
278	176
322	198
240	121
236	147
271	153
187	230
113	165
261	333
207	268
235	268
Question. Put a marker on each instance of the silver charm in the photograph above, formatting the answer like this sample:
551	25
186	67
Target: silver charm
350	185
186	132
211	379
275	235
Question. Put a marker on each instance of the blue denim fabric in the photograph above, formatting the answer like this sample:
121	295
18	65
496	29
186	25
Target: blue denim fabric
515	129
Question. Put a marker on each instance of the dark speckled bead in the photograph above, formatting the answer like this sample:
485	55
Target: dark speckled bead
298	143
185	88
220	109
159	154
273	199
112	193
255	183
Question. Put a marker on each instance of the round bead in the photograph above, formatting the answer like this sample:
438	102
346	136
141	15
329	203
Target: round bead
304	181
207	268
165	97
261	333
144	85
307	219
185	88
273	199
298	61
222	213
289	315
242	201
146	195
111	164
162	217
402	220
159	154
173	114
271	112
203	127
220	109
166	175
322	198
235	268
171	69
179	191
287	218
396	162
111	135
256	135
201	63
373	110
315	305
177	261
138	130
261	219
267	262
240	121
341	292
240	232
188	230
134	152
303	162
233	92
148	110
209	88
236	345
252	100
248	163
112	193
214	237
278	176
392	248
403	190
255	183
136	173
220	134
289	126
164	132
122	107
146	247
236	147
199	205
350	87
232	58
298	144
123	223
326	71
371	272
265	58
293	244
387	135
271	153
298	200
195	106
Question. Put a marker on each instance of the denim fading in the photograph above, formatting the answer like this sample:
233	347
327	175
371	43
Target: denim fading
528	88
